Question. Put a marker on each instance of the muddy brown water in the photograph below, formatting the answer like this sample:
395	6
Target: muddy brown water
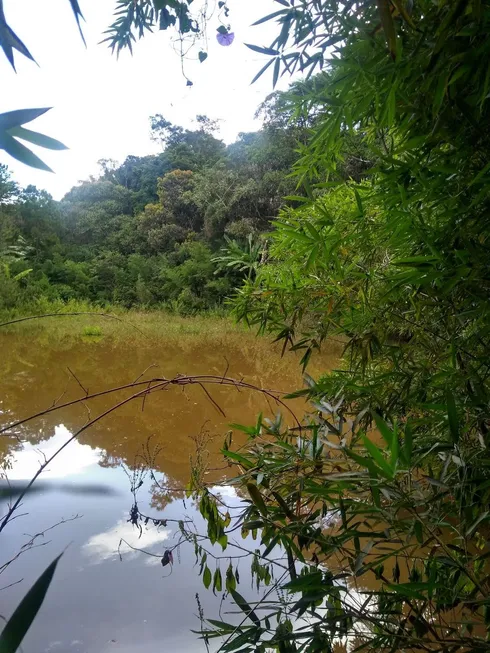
98	602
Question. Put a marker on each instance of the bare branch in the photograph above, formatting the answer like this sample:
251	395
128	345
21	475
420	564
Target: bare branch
78	381
163	382
105	315
216	405
145	371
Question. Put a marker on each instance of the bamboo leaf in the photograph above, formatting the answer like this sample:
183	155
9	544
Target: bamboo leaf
272	544
217	581
275	75
452	416
230	580
384	429
377	456
236	643
481	174
222	625
256	497
439	94
391	106
412	590
286	509
25	613
419	532
265	19
365	463
21	152
245	462
20	117
262	71
9	41
244	606
408	443
359	202
78	15
483	517
395	450
269	51
312	257
206	577
37	139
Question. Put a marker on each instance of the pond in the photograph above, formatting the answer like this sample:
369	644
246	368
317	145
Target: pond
106	596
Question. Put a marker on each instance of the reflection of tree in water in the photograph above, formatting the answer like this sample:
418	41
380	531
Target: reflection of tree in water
109	461
8	447
34	377
177	407
165	488
163	492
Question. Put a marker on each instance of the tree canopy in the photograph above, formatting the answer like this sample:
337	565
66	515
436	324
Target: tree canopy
145	233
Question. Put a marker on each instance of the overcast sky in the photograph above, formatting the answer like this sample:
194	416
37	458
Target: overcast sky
101	105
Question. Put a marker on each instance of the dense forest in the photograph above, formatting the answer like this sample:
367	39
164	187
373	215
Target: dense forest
149	232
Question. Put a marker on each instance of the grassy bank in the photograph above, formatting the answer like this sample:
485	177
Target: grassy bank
60	326
75	319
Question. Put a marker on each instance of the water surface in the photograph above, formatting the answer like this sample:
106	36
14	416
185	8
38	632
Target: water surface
107	597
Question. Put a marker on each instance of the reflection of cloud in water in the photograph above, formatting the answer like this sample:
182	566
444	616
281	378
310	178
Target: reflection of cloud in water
153	562
225	491
72	460
103	546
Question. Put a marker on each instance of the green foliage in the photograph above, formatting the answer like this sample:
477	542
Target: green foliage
379	553
92	331
131	17
386	485
394	264
244	259
382	243
134	19
19	623
146	233
11	129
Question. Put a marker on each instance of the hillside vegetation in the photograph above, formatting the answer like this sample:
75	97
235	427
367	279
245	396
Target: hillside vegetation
145	233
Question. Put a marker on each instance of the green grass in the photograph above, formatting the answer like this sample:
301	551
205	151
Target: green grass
114	323
114	326
92	331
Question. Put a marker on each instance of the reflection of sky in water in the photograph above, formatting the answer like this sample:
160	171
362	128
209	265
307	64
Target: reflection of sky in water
104	546
75	459
98	603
